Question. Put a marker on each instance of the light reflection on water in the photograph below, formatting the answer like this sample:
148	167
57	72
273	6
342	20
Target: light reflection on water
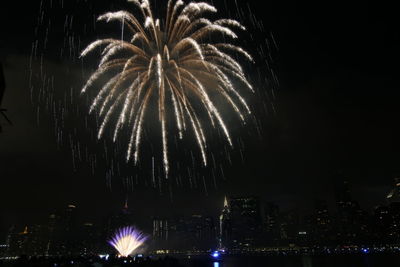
306	260
378	260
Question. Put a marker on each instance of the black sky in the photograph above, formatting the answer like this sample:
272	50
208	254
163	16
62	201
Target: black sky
337	115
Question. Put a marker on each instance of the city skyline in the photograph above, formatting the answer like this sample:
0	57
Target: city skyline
319	207
245	225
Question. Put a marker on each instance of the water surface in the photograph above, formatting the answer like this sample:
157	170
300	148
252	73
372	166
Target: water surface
300	261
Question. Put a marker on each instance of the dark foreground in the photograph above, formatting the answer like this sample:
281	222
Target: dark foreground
369	260
304	261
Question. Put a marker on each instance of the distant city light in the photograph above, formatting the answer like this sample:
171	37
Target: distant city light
104	256
365	250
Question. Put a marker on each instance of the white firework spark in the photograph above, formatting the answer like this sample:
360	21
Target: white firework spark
173	61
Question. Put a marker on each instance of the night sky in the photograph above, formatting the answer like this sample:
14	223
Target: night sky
336	117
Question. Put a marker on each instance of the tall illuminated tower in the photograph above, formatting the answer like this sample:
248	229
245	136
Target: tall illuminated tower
225	227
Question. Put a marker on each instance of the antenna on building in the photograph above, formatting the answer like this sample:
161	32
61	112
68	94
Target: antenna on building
226	202
126	202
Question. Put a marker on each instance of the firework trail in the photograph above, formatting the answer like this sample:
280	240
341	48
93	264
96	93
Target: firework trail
126	240
171	61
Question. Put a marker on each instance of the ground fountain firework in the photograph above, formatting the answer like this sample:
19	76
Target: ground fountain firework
174	62
127	240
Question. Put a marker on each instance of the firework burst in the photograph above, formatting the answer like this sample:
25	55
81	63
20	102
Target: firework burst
126	240
171	61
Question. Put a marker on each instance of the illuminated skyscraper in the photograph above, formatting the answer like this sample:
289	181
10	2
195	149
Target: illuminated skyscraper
271	215
225	227
350	223
161	233
382	223
240	222
245	220
18	242
30	241
200	231
160	229
322	220
87	239
51	234
69	228
61	231
272	223
393	199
